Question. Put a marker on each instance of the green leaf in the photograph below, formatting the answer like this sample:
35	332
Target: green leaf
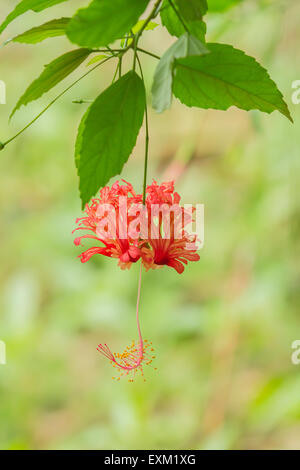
53	73
192	10
175	27
104	21
26	5
108	133
185	46
47	30
226	77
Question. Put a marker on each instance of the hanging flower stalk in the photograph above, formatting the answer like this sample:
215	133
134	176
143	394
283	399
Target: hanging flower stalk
154	234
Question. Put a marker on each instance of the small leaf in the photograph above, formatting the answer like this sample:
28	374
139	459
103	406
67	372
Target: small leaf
108	133
96	59
47	30
185	46
150	26
104	21
26	5
53	73
175	27
226	77
136	28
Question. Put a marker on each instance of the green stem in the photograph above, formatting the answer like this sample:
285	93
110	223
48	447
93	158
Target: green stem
116	72
152	15
121	56
106	50
147	136
120	67
148	53
135	52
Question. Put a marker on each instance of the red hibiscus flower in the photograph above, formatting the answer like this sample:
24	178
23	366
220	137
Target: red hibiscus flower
160	236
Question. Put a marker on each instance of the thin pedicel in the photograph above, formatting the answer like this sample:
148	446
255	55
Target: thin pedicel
135	356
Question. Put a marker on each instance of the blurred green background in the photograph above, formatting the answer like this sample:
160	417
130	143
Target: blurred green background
222	330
